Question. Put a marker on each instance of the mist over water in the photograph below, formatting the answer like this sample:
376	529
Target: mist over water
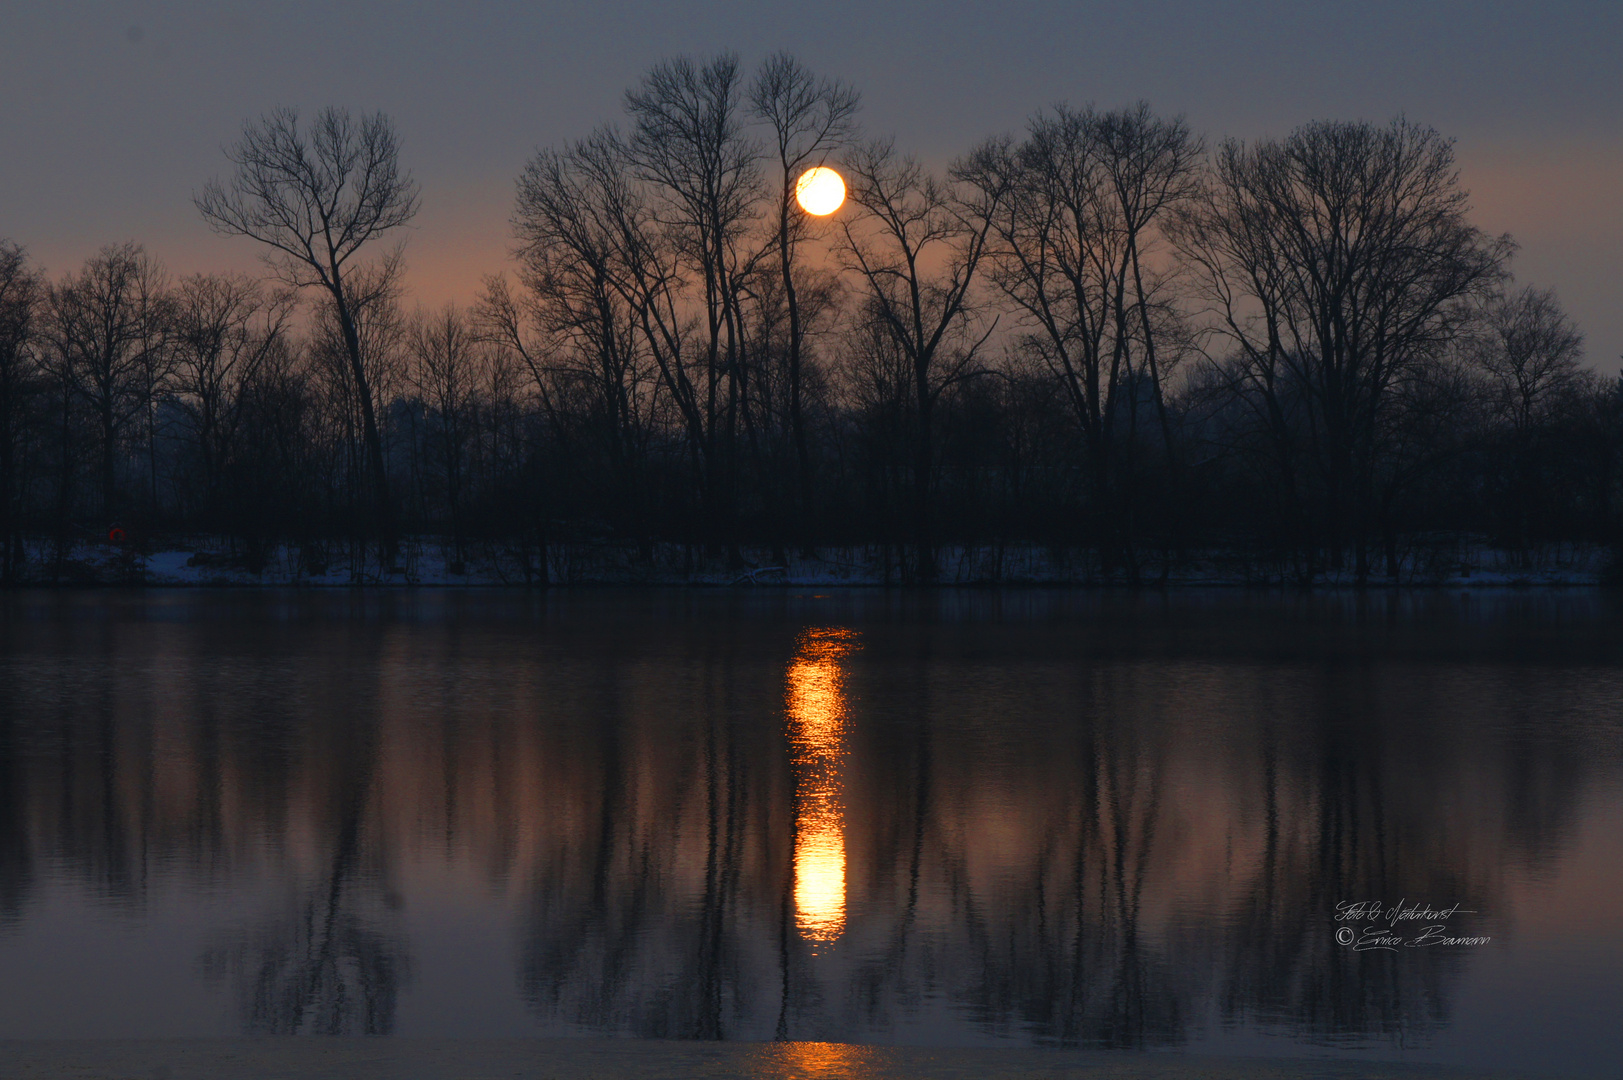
1027	818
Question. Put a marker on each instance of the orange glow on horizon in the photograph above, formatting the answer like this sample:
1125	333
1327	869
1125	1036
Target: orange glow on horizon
816	728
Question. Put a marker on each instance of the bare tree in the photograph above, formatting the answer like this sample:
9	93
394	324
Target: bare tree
688	142
445	373
105	323
1531	355
1087	192
916	246
225	328
1152	167
1335	261
810	119
315	199
599	291
377	324
22	291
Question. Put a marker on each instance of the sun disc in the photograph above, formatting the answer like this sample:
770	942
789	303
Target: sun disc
820	191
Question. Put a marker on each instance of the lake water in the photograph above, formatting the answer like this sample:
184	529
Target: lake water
958	818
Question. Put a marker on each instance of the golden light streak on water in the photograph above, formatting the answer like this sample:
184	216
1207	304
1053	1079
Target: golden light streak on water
817	1060
817	740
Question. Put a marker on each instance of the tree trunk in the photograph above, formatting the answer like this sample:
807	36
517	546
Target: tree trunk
109	481
797	428
383	506
923	453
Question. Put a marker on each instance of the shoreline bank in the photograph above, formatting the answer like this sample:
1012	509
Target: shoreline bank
286	1058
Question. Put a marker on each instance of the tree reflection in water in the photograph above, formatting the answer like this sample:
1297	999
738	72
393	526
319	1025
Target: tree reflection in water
748	828
1355	807
650	882
329	962
1066	888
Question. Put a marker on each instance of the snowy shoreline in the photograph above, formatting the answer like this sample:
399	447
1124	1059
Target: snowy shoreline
207	562
399	1058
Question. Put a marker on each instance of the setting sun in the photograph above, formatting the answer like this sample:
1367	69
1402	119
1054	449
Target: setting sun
820	191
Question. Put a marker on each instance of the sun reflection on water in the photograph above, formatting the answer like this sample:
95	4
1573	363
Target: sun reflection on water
816	728
817	1060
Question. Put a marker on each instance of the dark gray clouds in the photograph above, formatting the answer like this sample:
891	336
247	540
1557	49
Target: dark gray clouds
114	112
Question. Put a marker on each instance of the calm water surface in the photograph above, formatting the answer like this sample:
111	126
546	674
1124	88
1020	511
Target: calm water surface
1027	818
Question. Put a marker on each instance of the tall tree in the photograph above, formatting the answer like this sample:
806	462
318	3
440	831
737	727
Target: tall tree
810	119
688	141
106	323
595	289
1336	261
916	245
1087	192
316	198
22	291
378	323
225	328
1530	354
446	357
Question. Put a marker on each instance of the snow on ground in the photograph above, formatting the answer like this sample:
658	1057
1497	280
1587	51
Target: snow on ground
207	561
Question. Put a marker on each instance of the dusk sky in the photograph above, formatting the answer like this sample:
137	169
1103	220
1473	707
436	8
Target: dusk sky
116	112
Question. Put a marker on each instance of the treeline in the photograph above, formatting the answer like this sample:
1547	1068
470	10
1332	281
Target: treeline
1100	336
